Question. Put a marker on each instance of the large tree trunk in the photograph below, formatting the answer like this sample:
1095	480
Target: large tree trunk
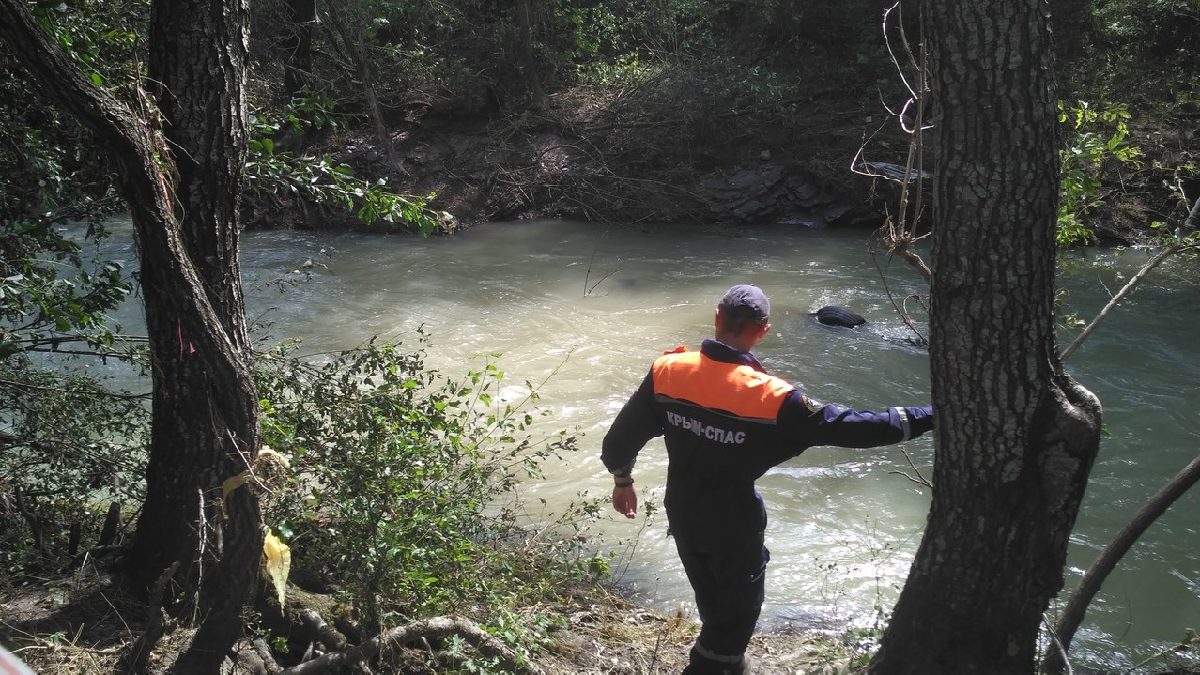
1016	437
205	422
183	185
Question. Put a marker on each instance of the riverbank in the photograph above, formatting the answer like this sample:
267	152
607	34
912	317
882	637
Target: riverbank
81	623
659	152
519	289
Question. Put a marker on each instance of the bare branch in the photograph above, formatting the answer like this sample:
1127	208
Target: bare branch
1128	288
97	391
891	53
920	478
1060	649
1090	584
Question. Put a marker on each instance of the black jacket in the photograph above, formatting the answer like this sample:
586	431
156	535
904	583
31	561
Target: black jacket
727	422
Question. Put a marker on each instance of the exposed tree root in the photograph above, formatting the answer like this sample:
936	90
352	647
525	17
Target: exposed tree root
136	659
327	635
434	628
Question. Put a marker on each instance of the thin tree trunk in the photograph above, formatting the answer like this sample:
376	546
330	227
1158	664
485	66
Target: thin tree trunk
525	35
353	41
300	17
1016	437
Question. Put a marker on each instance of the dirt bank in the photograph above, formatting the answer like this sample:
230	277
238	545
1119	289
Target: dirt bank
642	156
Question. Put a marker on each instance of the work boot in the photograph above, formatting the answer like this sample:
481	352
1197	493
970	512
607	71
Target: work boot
698	664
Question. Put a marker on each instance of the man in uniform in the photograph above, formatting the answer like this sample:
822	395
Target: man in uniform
726	422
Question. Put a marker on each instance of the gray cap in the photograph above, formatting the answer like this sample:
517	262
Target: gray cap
745	302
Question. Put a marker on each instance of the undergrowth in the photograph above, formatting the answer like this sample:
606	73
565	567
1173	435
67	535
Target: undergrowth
402	497
403	489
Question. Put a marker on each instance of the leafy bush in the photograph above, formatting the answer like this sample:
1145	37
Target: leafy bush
49	294
320	180
68	447
1144	51
1095	136
399	479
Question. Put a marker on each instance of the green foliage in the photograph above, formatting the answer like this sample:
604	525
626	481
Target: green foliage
66	444
1143	51
399	478
54	199
319	179
1095	137
67	448
52	292
592	33
99	34
49	295
52	173
600	40
307	113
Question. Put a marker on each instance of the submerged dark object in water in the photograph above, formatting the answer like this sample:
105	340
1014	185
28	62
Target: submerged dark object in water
836	315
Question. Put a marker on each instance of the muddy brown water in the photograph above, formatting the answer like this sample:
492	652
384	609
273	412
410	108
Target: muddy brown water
584	308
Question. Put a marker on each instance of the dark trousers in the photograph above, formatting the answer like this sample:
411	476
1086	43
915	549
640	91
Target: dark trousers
728	580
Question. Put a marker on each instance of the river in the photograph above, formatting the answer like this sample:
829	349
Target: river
584	308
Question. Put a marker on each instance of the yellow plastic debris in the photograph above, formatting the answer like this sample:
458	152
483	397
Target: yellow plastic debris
279	561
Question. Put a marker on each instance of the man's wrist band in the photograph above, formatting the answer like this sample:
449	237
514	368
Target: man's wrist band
626	484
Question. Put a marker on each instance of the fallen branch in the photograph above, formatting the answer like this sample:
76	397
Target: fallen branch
435	628
1090	584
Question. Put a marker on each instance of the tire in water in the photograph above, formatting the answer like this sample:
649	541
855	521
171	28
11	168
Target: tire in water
836	315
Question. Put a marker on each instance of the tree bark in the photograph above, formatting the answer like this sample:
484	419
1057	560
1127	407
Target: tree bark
182	181
205	417
537	97
1016	436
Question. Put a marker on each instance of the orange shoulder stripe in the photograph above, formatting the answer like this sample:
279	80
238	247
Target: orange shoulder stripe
730	387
